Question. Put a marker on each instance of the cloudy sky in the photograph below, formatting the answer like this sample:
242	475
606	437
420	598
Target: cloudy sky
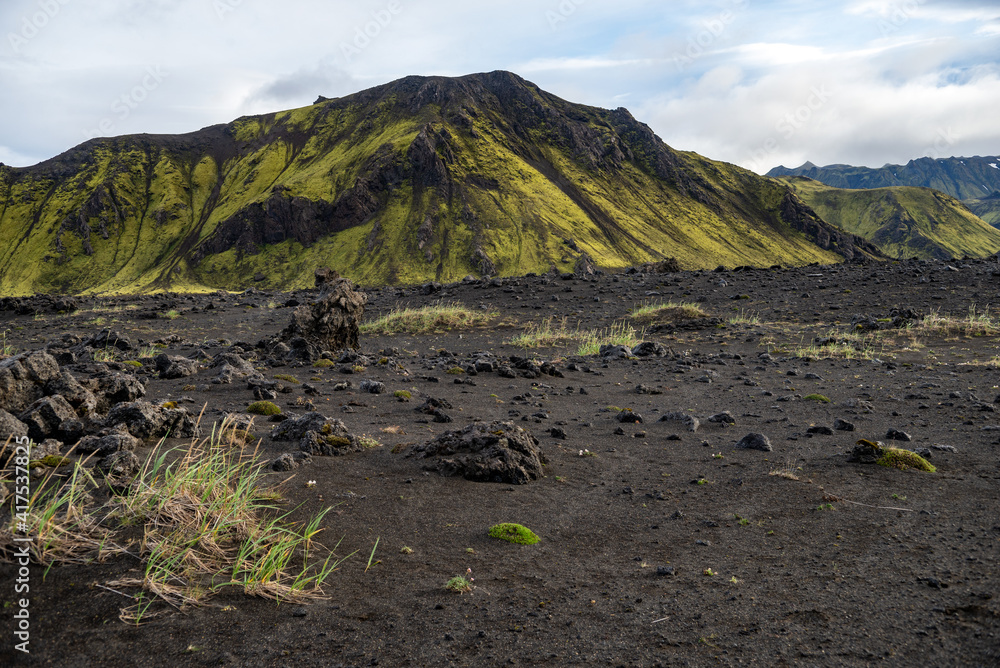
754	82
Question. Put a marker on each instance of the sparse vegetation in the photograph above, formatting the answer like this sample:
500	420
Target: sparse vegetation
205	524
288	378
589	341
668	312
442	317
402	395
818	398
463	584
620	334
323	364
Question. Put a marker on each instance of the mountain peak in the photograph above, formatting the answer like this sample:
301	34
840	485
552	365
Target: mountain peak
423	178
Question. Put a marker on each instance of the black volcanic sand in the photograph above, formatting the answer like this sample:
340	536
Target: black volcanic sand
850	565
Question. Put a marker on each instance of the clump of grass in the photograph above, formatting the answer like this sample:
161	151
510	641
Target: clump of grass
367	442
133	363
440	317
974	324
669	311
6	349
513	533
323	364
105	354
265	408
455	371
745	318
546	334
172	314
463	584
62	529
619	334
786	472
898	458
207	526
148	351
817	398
402	395
288	378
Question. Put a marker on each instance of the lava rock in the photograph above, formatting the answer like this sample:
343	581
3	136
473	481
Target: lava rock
44	417
332	322
843	425
174	366
23	379
755	442
485	452
107	441
898	435
145	420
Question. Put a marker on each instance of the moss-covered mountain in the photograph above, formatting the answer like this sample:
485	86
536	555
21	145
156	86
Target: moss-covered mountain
987	208
424	178
903	222
962	178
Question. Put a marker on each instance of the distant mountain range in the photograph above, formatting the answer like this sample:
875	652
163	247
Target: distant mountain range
902	221
425	178
962	178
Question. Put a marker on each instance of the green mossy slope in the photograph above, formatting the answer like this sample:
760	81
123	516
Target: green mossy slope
903	222
424	178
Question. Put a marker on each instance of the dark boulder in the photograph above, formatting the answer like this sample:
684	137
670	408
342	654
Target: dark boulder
107	441
485	452
174	366
755	442
23	379
145	420
44	418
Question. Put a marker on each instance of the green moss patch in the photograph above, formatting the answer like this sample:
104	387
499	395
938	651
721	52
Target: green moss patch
897	458
817	397
514	533
265	408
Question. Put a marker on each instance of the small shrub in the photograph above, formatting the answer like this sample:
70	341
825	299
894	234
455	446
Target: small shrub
265	408
366	442
514	533
460	583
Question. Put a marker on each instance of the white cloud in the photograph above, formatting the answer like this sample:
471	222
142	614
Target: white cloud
894	89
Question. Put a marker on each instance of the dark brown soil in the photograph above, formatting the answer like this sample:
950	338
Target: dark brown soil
849	565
